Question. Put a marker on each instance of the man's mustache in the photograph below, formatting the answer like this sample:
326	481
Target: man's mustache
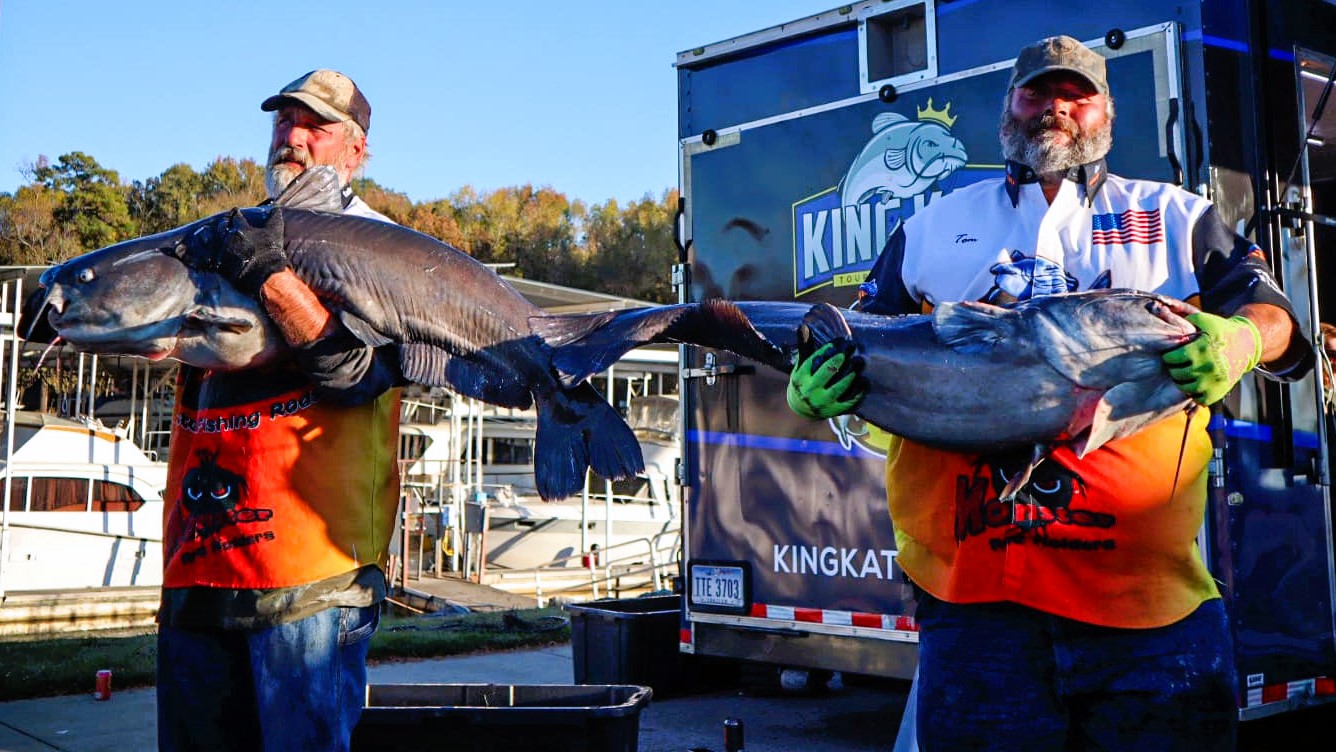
1048	122
290	154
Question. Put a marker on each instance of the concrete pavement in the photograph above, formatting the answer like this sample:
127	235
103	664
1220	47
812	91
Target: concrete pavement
126	722
847	719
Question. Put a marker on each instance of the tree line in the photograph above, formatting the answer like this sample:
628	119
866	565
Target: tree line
75	205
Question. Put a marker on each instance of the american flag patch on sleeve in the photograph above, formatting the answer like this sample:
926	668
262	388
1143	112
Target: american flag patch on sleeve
1131	226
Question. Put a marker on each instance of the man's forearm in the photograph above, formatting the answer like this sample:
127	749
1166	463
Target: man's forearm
295	309
1277	330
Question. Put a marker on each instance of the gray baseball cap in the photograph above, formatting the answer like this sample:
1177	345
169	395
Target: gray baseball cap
330	94
1060	53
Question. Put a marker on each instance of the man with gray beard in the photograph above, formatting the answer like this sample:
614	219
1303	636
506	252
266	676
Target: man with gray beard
321	118
277	530
1077	614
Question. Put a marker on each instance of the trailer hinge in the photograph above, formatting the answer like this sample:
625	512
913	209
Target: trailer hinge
679	275
711	370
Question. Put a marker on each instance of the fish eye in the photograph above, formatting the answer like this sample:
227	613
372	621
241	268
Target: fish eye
85	275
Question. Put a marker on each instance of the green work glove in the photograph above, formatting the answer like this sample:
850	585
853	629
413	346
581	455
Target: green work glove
1210	365
827	382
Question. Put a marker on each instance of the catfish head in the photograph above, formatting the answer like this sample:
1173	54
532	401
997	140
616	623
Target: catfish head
137	298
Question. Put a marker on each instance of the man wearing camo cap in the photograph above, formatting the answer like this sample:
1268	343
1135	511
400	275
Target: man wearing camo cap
321	118
282	484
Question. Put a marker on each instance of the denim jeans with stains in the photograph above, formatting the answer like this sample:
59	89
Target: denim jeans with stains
296	686
1000	677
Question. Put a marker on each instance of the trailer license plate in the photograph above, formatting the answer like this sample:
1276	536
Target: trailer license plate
717	586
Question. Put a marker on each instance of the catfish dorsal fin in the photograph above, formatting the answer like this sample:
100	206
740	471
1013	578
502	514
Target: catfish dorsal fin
969	325
316	189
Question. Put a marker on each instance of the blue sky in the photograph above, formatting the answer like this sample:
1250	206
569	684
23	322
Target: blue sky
579	96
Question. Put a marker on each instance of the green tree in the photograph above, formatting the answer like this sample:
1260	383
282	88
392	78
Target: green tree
228	183
29	233
396	206
532	228
167	201
94	205
632	250
180	195
438	219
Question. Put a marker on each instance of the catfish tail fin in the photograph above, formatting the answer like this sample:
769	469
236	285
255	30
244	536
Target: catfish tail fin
577	431
587	344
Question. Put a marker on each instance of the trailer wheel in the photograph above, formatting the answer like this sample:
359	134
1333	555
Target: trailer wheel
1115	38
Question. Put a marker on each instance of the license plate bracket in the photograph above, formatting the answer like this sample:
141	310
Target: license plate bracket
719	586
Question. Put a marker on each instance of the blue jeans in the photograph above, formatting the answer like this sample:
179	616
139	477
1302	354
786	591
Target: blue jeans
296	686
999	676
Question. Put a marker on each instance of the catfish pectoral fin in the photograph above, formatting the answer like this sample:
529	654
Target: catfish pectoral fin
208	318
1127	408
481	379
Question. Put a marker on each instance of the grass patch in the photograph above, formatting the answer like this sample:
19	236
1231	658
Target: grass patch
66	665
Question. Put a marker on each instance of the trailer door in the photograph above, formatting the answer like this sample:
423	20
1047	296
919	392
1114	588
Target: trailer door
1272	526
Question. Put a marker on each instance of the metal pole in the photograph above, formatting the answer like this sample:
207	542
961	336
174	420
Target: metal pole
456	492
11	409
92	387
607	484
78	388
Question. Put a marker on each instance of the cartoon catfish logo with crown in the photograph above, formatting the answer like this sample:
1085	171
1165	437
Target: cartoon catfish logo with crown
904	157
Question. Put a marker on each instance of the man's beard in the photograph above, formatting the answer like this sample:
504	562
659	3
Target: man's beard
281	172
1037	142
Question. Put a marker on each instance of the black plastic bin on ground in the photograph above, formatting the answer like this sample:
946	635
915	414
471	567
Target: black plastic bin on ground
635	641
490	717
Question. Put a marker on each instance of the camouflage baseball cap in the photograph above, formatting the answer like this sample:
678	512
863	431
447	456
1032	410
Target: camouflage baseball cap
1060	53
330	94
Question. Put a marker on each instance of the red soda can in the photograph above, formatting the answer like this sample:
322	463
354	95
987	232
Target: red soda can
103	689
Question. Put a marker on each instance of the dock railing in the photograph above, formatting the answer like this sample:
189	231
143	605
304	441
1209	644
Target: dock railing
639	565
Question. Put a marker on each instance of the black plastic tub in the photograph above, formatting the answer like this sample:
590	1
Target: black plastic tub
490	717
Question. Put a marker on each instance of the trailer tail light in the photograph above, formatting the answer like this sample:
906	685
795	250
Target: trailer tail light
1275	693
1299	692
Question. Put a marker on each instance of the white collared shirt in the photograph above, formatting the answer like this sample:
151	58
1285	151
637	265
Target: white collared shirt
1139	232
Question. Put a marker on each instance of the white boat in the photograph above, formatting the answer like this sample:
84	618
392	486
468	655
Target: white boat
453	463
85	508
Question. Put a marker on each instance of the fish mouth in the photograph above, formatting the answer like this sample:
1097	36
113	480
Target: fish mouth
941	165
154	341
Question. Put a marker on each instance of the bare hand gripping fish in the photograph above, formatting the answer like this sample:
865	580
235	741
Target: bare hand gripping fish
1079	369
456	323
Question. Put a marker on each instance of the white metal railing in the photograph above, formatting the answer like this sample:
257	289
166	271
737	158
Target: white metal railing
621	560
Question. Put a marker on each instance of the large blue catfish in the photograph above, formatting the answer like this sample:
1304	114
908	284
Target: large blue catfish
1079	368
457	324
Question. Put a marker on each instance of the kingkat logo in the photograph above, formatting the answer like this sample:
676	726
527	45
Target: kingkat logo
837	233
